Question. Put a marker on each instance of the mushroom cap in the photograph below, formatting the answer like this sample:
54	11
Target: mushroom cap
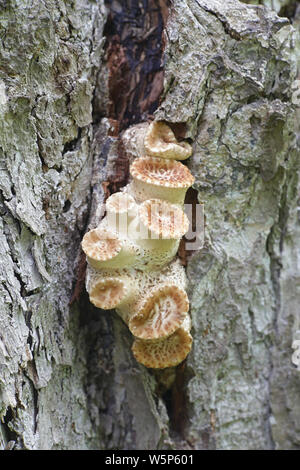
99	245
161	142
120	203
161	313
161	172
163	219
108	293
162	353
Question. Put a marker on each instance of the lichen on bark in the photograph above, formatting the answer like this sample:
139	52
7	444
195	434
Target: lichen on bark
246	161
50	54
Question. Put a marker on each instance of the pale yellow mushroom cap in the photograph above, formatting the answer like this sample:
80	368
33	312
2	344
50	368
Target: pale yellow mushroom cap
162	353
108	293
120	203
105	251
161	142
163	219
160	172
99	245
161	313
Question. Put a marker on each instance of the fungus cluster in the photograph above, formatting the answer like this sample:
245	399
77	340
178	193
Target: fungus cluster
131	255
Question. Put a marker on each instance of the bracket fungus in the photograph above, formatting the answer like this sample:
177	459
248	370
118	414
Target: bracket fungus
160	178
167	352
131	255
105	251
160	141
160	313
109	292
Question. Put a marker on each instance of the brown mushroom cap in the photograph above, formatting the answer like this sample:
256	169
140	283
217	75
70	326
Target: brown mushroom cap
161	142
99	245
161	172
108	293
161	313
163	219
162	353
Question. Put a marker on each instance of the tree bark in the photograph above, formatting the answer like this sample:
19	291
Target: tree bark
73	77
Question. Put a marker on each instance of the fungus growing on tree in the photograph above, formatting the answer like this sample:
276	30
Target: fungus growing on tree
132	265
162	225
160	178
121	209
104	250
160	313
160	141
163	220
167	352
109	292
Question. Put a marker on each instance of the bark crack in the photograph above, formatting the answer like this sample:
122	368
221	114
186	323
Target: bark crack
226	26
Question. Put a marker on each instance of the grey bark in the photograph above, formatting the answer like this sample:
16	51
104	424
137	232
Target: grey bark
67	376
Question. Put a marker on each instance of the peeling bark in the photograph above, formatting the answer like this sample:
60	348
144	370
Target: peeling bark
221	74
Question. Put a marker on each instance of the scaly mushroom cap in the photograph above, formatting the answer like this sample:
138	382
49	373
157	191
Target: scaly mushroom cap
161	172
161	142
162	353
160	314
163	219
99	245
120	203
108	293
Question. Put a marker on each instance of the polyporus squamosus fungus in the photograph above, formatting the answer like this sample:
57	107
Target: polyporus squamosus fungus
161	313
162	225
105	251
160	178
110	292
161	142
119	204
132	265
167	352
163	220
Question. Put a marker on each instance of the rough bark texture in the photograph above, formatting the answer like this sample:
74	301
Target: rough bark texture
67	376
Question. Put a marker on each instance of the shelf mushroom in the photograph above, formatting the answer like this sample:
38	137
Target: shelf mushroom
160	313
131	255
160	141
160	178
162	225
167	352
110	291
105	251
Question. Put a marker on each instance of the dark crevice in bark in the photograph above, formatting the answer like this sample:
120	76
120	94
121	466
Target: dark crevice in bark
73	144
191	199
10	435
289	11
134	50
176	403
273	241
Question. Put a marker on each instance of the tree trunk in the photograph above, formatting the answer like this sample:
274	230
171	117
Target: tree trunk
73	77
